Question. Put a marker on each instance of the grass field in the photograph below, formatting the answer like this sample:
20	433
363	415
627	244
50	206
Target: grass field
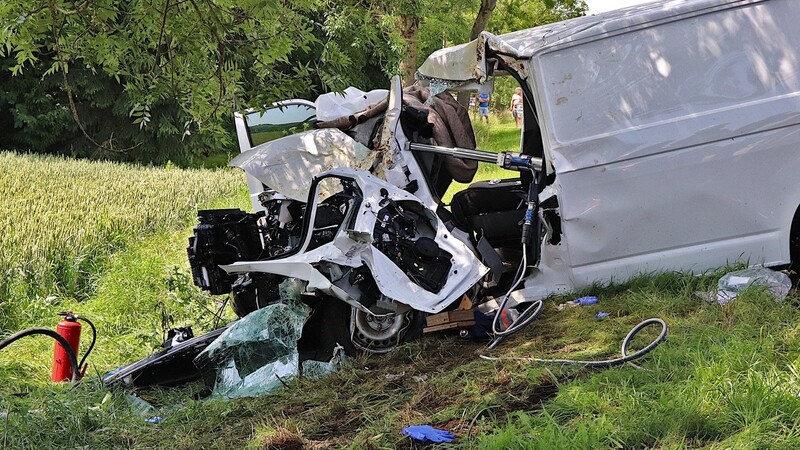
727	377
61	219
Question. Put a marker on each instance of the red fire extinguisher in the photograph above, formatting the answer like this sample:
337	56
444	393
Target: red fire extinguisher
70	329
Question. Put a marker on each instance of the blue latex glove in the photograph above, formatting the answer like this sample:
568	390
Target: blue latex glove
585	301
426	433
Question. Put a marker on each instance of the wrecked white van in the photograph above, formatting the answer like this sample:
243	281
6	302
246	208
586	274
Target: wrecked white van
656	138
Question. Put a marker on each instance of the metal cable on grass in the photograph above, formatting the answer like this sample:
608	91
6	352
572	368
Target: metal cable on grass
608	362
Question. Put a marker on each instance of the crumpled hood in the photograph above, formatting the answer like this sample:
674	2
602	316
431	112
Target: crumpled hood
289	164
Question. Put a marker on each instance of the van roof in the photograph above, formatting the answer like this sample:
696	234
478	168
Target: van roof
466	62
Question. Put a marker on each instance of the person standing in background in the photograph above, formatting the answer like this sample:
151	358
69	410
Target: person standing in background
483	105
516	106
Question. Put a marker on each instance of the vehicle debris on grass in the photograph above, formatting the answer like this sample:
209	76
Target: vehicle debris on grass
353	205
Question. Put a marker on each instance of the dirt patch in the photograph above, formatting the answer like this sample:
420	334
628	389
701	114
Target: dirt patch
409	444
340	424
293	409
283	439
416	381
525	399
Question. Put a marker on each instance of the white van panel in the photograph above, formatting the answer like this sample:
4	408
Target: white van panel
691	209
642	78
677	154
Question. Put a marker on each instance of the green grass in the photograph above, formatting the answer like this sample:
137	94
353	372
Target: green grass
727	376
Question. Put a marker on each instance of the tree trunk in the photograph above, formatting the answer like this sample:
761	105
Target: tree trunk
409	25
481	20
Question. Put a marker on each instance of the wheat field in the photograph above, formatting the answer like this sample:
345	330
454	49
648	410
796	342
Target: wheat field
60	220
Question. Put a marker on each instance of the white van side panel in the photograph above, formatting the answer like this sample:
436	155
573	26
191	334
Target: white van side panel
691	209
675	71
677	146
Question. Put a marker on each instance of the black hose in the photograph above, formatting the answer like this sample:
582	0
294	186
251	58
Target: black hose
608	362
94	339
73	360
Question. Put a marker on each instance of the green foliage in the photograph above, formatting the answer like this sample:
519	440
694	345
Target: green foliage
451	25
449	28
361	41
158	80
512	15
193	305
34	109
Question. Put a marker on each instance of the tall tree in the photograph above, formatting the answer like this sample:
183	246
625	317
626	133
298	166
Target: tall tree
482	18
416	27
408	26
171	70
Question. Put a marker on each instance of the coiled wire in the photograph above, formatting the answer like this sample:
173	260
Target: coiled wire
526	317
608	362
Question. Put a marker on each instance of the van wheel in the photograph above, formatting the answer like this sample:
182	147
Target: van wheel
373	335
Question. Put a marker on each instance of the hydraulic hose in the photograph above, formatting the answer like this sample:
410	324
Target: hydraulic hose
73	360
91	346
525	318
608	362
535	309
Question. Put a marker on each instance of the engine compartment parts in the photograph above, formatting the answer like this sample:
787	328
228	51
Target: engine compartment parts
354	220
403	233
222	236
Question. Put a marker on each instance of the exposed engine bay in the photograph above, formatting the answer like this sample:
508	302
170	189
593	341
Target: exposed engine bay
355	215
367	244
